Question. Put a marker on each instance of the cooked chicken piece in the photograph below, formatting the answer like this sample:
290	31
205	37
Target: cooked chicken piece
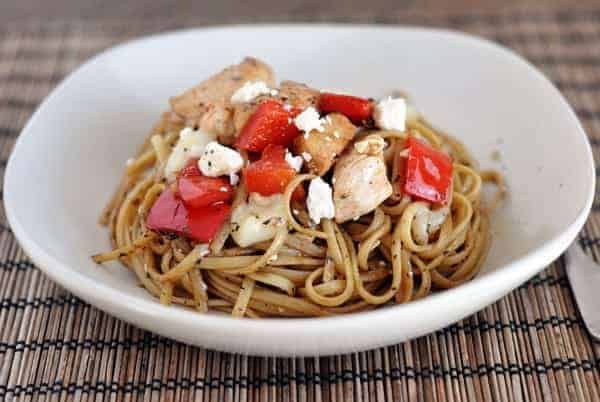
321	148
370	145
208	105
168	123
360	181
241	114
257	219
298	95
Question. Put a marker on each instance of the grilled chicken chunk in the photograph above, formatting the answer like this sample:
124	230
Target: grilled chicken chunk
208	104
298	95
360	181
241	114
321	148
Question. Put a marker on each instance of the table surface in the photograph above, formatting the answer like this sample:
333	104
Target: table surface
529	346
224	10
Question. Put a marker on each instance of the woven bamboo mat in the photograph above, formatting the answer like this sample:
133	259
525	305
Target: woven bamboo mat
529	346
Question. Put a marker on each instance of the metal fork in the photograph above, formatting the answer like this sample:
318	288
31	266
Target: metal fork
584	275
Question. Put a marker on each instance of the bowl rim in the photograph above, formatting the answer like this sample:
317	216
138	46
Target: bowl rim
115	301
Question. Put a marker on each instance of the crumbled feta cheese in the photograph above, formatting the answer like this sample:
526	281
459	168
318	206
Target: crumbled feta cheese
191	144
390	114
234	179
287	107
319	201
218	160
306	156
309	120
250	91
257	219
293	161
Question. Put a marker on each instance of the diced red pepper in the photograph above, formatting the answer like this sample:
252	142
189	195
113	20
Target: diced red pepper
271	123
197	190
358	110
428	172
170	214
205	222
271	173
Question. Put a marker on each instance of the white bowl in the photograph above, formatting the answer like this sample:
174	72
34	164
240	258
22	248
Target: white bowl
70	155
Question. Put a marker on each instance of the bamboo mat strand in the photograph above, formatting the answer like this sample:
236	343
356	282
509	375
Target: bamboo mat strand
530	346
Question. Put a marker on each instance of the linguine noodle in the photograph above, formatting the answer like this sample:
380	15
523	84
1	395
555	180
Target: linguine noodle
306	270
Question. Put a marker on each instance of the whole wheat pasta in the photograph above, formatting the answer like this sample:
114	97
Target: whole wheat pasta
385	256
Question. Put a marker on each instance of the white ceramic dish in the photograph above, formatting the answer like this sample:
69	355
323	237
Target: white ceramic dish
70	155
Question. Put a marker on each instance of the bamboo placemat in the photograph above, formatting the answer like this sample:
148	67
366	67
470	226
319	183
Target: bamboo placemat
529	346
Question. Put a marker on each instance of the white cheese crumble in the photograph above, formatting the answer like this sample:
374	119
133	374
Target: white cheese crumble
250	91
306	156
191	144
234	179
319	201
218	160
309	120
294	161
257	219
390	114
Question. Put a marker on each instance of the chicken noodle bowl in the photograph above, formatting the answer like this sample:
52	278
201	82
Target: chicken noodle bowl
284	201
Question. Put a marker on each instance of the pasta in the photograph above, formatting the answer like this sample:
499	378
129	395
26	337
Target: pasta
403	249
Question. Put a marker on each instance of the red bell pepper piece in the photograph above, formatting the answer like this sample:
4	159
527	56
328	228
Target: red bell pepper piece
170	214
197	190
356	109
271	173
428	172
205	222
271	123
